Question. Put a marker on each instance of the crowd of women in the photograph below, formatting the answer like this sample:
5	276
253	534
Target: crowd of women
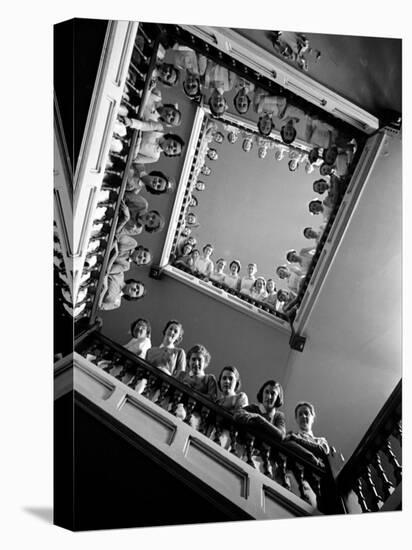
203	78
189	368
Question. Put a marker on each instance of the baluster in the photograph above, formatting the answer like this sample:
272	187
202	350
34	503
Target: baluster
115	155
191	404
218	430
204	414
398	432
136	70
129	105
135	379
115	173
145	36
164	388
316	483
250	446
265	454
375	499
281	463
134	89
123	371
397	469
150	386
233	439
299	472
176	400
361	497
387	486
140	52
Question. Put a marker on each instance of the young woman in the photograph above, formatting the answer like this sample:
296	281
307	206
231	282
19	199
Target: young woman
264	413
140	342
229	384
198	359
167	357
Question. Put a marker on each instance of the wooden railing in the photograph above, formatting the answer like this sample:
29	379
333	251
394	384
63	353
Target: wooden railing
372	478
116	174
313	484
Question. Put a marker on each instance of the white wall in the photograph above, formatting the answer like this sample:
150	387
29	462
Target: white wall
352	358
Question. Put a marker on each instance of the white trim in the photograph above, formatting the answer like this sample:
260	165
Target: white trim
181	189
110	80
340	225
267	64
229	299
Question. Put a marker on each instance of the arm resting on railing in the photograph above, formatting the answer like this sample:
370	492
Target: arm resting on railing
248	416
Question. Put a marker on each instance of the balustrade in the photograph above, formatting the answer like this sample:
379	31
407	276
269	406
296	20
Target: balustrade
284	465
374	472
117	169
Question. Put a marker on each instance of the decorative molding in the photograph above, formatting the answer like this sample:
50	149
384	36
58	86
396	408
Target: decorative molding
267	64
180	193
228	299
347	208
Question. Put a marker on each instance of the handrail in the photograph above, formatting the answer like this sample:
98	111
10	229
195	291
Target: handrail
212	420
130	156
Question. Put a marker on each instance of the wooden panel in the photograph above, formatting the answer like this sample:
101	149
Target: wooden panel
145	422
215	468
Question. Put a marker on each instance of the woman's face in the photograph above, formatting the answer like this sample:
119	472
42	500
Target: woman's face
242	102
228	382
172	147
305	418
221	265
170	115
152	220
191	85
140	330
141	256
270	395
251	269
197	364
234	269
218	103
187	249
260	286
134	290
157	183
172	333
270	285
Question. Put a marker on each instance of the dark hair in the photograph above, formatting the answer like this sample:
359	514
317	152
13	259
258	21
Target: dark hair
194	198
279	399
259	125
193	94
314	153
176	138
177	73
235	103
306	230
304	404
239	265
198	348
320	180
172	106
135	323
207	245
170	183
157	228
235	372
179	324
282	134
129	298
313	201
213	110
289	253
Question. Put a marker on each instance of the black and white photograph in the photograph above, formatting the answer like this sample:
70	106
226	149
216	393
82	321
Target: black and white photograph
227	250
